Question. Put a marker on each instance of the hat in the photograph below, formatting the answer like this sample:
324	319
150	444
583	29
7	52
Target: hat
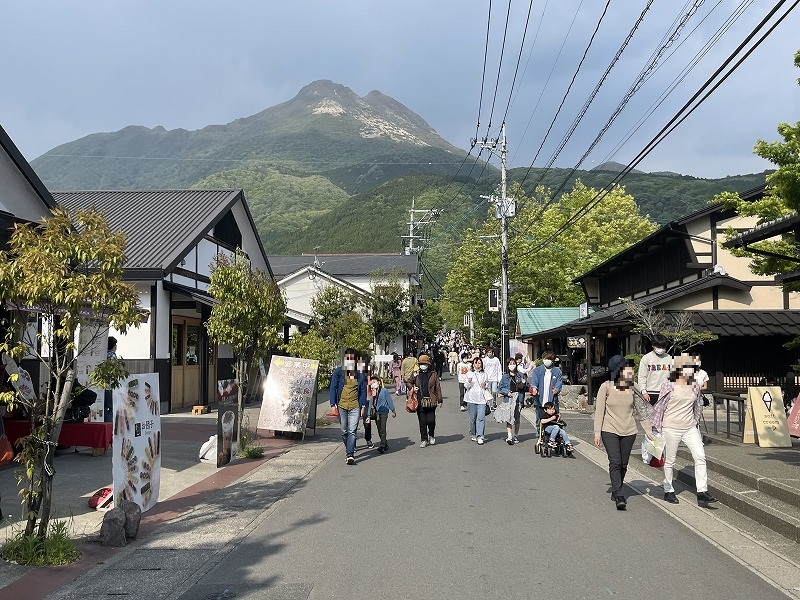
615	364
682	360
424	359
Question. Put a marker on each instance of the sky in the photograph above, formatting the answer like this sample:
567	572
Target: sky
72	68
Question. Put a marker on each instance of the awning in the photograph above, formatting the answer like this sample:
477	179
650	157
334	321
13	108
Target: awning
197	295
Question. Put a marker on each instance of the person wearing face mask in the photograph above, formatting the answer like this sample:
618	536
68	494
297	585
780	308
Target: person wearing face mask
429	393
408	367
348	392
618	406
677	416
546	383
464	366
654	369
361	367
512	392
382	404
494	371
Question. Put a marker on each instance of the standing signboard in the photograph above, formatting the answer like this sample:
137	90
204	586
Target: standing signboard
765	418
227	429
794	418
137	441
289	391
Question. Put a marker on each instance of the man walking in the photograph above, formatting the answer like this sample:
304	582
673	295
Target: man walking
494	371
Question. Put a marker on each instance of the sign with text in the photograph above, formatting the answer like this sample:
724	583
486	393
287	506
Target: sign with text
227	430
794	418
766	416
290	389
136	457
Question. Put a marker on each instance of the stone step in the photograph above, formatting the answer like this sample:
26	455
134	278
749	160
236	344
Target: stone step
765	501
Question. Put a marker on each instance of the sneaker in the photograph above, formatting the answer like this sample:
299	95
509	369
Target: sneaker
351	460
552	444
510	441
480	441
370	445
704	498
463	409
474	439
621	503
671	497
423	443
431	441
570	447
516	440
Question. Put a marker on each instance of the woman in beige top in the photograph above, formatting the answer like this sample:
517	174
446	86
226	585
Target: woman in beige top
618	401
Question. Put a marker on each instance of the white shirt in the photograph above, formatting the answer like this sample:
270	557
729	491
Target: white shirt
473	389
492	368
547	393
463	368
701	377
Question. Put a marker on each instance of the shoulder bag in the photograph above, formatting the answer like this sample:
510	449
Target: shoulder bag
411	401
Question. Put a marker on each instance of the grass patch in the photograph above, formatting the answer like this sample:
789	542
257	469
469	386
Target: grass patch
247	447
56	548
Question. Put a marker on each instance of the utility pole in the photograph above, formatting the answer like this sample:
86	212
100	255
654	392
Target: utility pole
504	208
428	217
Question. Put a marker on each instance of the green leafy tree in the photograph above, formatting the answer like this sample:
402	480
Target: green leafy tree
337	315
248	313
540	276
314	346
432	319
389	308
70	277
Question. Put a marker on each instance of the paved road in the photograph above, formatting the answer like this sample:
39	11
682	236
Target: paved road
458	520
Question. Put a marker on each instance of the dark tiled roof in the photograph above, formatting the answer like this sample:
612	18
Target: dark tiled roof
160	225
750	322
779	226
346	264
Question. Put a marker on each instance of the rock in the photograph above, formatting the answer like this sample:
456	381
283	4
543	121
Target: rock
570	397
133	516
112	531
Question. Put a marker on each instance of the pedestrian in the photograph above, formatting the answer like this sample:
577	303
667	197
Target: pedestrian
439	360
380	406
108	401
654	369
348	392
408	367
546	383
429	395
452	361
494	371
618	406
700	376
397	374
476	385
464	367
677	416
361	367
512	396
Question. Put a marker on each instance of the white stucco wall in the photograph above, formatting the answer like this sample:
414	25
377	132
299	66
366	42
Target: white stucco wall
135	343
18	197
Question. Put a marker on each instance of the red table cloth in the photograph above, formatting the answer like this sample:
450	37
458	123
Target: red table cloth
91	435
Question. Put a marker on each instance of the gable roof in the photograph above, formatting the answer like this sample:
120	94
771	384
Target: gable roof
347	264
533	320
160	225
26	170
311	271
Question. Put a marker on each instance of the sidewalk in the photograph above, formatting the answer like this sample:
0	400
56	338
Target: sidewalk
189	490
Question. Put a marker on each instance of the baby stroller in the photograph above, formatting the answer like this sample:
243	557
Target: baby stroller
543	447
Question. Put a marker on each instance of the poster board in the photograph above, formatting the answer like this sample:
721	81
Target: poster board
227	417
136	451
794	418
766	418
289	391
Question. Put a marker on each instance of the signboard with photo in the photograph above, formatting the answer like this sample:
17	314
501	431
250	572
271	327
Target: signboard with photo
227	429
136	456
93	342
289	392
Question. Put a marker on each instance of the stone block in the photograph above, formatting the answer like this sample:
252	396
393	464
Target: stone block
112	531
133	516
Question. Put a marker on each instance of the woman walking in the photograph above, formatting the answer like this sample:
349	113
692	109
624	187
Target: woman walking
619	403
348	392
382	404
397	374
476	400
512	396
429	393
677	416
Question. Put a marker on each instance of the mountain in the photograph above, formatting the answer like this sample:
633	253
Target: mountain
614	167
357	143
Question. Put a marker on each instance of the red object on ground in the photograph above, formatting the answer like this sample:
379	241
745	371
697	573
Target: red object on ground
90	435
333	413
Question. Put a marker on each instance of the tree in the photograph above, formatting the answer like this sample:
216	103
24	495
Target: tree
390	312
248	313
313	346
676	327
541	274
432	319
70	278
337	315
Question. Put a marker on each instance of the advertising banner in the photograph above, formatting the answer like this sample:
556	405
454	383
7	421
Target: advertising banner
227	426
794	418
136	451
93	342
290	389
767	416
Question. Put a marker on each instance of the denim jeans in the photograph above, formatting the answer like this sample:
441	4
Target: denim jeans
348	420
554	430
492	387
477	419
693	440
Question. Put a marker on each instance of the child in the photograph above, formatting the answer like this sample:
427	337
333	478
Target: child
382	403
550	424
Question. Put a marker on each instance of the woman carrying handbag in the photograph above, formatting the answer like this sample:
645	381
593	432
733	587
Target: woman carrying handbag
429	396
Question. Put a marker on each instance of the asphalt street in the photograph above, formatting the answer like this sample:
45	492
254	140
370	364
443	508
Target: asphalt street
458	520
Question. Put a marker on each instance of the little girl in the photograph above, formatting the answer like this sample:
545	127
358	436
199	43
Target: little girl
381	402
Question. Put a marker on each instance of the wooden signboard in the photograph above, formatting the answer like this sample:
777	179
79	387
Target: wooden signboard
765	418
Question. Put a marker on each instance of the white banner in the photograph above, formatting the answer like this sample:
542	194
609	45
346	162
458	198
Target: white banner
137	441
288	393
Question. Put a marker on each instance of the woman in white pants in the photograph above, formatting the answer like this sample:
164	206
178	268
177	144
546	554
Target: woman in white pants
677	417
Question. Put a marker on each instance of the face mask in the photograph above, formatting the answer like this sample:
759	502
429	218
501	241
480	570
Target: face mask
349	365
660	351
547	363
423	368
374	386
688	373
360	366
512	368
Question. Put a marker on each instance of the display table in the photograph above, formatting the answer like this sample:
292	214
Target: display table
96	436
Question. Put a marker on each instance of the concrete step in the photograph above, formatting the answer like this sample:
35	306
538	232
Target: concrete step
765	501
